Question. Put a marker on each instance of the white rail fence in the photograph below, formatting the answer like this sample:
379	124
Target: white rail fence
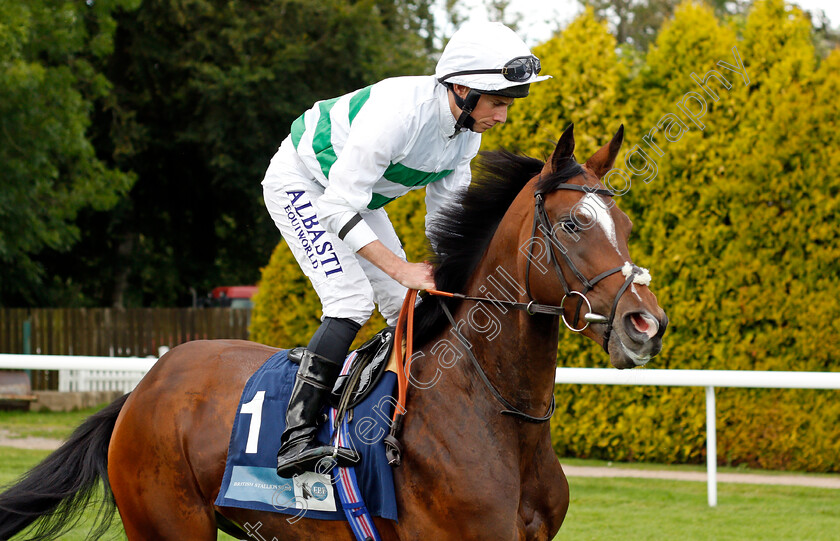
123	373
85	373
702	378
98	380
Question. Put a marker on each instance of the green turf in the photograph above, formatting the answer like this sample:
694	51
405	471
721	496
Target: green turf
685	468
601	509
605	509
639	509
47	424
15	462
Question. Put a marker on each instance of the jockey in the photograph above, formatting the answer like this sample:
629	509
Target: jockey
343	161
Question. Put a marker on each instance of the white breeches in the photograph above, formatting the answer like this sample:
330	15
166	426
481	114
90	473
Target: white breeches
347	284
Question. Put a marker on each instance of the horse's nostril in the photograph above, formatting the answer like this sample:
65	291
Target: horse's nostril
644	324
640	323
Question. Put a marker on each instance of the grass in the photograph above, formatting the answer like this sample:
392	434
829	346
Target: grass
637	509
602	509
644	509
701	468
15	462
47	424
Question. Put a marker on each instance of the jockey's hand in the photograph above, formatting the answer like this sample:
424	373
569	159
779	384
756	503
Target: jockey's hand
410	275
416	276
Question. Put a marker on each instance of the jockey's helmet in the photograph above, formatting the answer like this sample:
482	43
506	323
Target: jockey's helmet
489	58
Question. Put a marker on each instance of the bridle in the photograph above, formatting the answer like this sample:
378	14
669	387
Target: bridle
629	270
632	273
542	222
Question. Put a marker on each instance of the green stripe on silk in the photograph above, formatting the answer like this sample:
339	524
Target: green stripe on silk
322	140
407	176
378	201
357	101
298	127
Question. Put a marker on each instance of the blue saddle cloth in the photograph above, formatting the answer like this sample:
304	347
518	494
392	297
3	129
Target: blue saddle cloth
250	480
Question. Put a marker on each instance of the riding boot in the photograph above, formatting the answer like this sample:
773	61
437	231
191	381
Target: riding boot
299	450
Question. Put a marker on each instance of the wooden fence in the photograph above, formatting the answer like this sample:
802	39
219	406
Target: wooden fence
111	332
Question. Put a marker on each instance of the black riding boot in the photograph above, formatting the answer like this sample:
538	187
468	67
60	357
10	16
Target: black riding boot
299	450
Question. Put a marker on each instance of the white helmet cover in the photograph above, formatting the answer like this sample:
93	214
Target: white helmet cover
483	45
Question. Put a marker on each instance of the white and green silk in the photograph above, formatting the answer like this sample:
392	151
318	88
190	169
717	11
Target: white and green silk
373	145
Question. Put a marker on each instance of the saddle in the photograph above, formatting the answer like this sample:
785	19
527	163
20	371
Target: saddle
250	480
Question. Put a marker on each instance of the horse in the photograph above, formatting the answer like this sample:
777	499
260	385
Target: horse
530	245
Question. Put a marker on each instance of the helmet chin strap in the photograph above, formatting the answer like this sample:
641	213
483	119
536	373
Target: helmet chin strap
467	105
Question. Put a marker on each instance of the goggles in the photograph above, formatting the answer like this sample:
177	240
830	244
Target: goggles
517	70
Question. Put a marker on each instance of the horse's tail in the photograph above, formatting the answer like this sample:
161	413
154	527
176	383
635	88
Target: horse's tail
53	493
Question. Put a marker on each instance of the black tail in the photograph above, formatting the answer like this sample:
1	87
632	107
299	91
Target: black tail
53	493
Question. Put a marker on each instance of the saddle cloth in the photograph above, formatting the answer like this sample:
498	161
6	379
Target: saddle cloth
250	480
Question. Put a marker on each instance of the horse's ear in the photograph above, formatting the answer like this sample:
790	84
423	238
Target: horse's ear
564	150
602	161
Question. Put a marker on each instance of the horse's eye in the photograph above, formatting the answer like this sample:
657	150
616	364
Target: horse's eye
570	226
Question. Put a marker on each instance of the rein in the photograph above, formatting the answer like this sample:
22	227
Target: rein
405	323
511	409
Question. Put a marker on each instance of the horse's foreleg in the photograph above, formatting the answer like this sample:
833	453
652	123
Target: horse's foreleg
545	495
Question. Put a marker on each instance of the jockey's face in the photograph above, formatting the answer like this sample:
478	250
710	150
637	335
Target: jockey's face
491	110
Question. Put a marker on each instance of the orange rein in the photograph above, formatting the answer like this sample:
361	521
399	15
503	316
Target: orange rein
405	329
405	323
406	319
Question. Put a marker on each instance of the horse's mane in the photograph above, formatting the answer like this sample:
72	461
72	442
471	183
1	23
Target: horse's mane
461	232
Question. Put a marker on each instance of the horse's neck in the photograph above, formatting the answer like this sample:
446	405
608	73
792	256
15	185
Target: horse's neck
516	350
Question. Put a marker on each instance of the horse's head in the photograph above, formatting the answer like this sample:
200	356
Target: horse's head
578	257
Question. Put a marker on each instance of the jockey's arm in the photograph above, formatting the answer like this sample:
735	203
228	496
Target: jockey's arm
410	275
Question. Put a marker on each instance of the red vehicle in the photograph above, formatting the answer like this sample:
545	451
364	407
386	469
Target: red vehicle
233	296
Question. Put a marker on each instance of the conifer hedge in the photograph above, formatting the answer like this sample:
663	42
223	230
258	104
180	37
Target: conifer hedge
738	222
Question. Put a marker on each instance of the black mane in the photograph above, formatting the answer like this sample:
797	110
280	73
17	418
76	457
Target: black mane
462	231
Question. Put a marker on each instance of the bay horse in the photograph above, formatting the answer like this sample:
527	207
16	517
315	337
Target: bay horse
520	238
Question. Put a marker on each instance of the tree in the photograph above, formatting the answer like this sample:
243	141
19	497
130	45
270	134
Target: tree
738	229
203	93
49	81
497	10
637	22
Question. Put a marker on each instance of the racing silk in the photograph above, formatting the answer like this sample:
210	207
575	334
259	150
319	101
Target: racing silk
373	145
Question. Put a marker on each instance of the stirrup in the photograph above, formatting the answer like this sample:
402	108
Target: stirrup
322	458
